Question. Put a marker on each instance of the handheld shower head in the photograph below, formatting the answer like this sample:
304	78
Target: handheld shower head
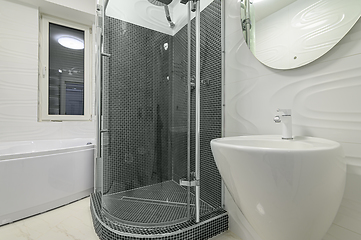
164	3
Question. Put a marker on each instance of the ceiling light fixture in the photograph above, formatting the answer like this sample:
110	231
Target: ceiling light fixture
71	42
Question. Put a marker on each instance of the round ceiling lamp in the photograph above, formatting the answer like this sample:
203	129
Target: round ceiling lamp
71	42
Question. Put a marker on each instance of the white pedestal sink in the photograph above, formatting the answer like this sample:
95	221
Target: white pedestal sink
287	189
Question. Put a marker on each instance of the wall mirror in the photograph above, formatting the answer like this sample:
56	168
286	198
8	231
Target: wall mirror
286	34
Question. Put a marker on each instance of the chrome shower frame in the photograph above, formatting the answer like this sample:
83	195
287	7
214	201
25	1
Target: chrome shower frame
198	109
223	47
98	183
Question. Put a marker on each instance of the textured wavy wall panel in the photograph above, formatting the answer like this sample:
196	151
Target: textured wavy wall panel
19	80
325	98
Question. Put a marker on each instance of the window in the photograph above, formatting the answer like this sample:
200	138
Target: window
64	82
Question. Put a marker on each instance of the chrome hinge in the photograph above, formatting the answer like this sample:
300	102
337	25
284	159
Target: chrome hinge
192	183
245	22
206	82
184	182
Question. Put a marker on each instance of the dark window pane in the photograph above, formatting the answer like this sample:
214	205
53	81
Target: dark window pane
66	70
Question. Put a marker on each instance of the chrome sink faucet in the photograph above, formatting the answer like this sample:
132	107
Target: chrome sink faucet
286	120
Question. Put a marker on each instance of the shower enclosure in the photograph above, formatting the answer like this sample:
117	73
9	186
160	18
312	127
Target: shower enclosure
155	175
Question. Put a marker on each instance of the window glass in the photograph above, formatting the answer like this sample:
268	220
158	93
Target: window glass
66	71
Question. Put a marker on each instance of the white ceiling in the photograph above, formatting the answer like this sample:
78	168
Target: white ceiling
80	11
145	14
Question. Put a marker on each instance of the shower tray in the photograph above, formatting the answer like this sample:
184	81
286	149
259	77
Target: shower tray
210	225
161	204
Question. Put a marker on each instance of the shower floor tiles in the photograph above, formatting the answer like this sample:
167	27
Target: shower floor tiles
157	204
72	221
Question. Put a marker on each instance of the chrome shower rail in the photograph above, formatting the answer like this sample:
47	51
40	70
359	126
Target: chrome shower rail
99	29
99	88
189	83
198	107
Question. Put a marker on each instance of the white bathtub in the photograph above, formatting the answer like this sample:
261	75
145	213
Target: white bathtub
36	176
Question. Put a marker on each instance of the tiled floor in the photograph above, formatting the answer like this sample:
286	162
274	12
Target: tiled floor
71	222
227	236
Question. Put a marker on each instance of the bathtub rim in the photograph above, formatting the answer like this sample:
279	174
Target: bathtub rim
13	156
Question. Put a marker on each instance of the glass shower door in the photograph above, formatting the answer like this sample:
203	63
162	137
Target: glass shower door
143	145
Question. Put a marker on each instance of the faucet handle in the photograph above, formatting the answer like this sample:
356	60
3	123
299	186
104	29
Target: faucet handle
285	112
277	119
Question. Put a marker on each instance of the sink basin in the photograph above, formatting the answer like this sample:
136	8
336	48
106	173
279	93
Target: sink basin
286	189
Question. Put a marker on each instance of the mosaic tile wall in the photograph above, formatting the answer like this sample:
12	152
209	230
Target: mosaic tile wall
211	101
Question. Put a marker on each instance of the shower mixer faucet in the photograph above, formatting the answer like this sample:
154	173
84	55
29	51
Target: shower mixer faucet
286	119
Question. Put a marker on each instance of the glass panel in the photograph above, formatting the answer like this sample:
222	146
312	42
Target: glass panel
145	150
66	70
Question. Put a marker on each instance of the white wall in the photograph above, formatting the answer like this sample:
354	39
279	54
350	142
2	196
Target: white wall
19	81
87	6
325	97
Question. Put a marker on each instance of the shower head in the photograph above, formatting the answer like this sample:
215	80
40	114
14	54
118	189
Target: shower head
160	3
164	3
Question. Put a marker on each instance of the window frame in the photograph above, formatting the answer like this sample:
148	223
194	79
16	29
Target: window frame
43	112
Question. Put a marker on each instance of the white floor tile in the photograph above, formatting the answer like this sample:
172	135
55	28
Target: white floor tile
70	228
349	216
70	222
339	233
11	232
227	236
